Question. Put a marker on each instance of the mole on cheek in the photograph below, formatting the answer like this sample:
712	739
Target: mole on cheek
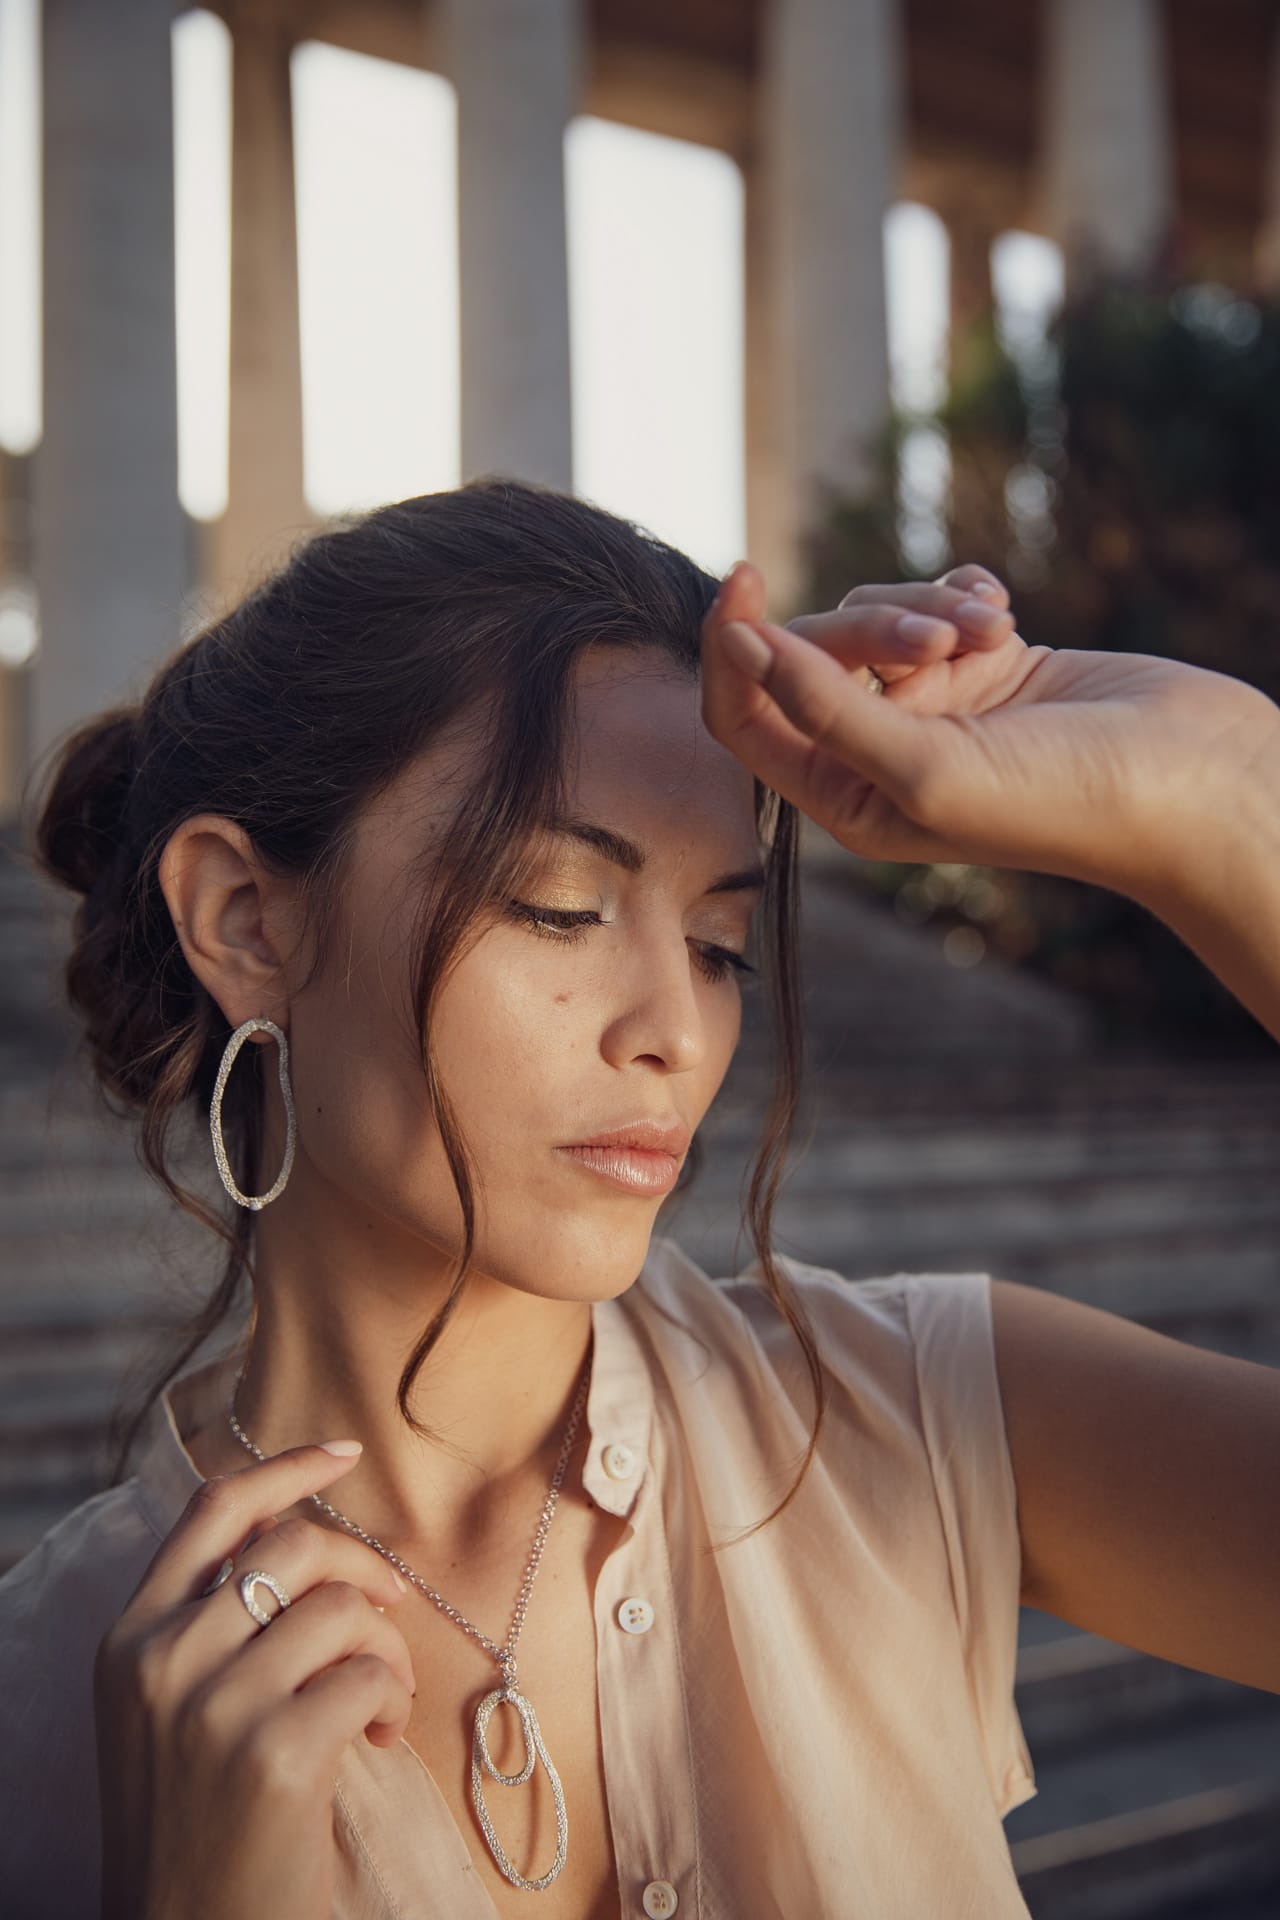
561	998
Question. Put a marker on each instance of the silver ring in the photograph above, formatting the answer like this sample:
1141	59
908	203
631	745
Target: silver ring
224	1573
874	683
257	1578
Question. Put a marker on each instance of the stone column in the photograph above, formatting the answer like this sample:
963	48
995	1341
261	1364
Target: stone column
108	531
266	509
15	615
830	137
767	543
1108	162
516	65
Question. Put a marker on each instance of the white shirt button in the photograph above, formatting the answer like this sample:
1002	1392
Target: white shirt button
636	1616
660	1898
619	1461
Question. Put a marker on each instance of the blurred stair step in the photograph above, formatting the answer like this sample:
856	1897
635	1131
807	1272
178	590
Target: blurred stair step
1079	1688
1151	1765
1133	1866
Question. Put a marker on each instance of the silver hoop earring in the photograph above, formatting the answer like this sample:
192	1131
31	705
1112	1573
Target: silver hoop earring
232	1048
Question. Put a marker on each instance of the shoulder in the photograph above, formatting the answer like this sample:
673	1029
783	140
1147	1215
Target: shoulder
916	1481
907	1359
55	1605
871	1334
78	1576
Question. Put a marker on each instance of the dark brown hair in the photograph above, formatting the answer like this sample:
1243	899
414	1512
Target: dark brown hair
288	716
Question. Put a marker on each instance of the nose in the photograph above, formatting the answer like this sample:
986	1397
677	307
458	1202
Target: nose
661	1008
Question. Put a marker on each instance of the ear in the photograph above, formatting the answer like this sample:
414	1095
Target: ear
232	917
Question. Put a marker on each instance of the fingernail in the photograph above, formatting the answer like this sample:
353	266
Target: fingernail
344	1447
402	1584
746	649
919	627
987	590
976	614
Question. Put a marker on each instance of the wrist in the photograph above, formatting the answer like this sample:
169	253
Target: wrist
1212	871
1216	823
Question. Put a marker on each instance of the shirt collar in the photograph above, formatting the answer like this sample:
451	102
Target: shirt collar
619	1406
618	1413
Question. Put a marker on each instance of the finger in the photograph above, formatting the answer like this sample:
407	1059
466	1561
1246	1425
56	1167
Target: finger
971	578
307	1735
355	1698
741	595
804	724
981	622
870	634
302	1555
228	1566
222	1512
329	1623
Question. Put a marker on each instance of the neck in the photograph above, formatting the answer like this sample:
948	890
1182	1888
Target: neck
324	1360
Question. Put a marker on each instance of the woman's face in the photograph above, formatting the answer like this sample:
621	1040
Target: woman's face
541	1040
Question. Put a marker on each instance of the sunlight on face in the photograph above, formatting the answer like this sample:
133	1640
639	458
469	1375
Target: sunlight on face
549	1028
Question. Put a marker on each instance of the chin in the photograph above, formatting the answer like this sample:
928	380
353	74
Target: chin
590	1257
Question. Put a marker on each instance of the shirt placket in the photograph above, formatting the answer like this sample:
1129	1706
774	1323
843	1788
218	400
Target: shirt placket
639	1673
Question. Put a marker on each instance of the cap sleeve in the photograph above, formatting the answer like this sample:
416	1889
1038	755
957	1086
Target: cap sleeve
949	1316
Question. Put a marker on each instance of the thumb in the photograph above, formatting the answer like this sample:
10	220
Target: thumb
802	722
740	596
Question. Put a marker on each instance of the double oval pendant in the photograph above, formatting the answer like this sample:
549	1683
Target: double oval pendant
482	1763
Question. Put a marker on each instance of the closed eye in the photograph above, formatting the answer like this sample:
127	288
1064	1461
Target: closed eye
716	962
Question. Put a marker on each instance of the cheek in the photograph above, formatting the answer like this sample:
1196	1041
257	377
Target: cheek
506	1042
363	1096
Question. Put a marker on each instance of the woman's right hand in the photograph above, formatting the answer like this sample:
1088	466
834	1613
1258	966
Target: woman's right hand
219	1740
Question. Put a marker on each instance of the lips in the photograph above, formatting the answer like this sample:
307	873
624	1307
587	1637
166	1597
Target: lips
638	1170
642	1156
647	1134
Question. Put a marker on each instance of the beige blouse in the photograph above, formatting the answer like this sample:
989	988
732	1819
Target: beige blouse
818	1721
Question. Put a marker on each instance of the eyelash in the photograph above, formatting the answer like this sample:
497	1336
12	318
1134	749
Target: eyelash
717	962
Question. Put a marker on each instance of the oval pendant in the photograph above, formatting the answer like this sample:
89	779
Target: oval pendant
534	1749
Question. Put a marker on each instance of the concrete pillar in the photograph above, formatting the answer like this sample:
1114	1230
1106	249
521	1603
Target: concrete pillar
830	135
767	539
1108	162
517	68
266	509
15	608
108	531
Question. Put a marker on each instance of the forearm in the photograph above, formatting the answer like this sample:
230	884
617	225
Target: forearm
1219	888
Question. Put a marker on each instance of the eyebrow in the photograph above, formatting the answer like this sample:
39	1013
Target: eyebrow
627	854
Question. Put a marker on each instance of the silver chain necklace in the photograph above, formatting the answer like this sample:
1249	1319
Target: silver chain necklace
507	1694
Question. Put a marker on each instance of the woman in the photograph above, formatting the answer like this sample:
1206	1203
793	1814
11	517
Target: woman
468	812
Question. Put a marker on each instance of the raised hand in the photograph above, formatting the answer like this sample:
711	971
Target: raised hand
218	1738
1106	767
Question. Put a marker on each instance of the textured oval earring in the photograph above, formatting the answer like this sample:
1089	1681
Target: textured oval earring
232	1048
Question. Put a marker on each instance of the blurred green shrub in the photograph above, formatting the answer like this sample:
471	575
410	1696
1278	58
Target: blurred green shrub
1122	474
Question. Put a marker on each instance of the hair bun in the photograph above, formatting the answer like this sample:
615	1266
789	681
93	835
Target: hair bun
82	817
